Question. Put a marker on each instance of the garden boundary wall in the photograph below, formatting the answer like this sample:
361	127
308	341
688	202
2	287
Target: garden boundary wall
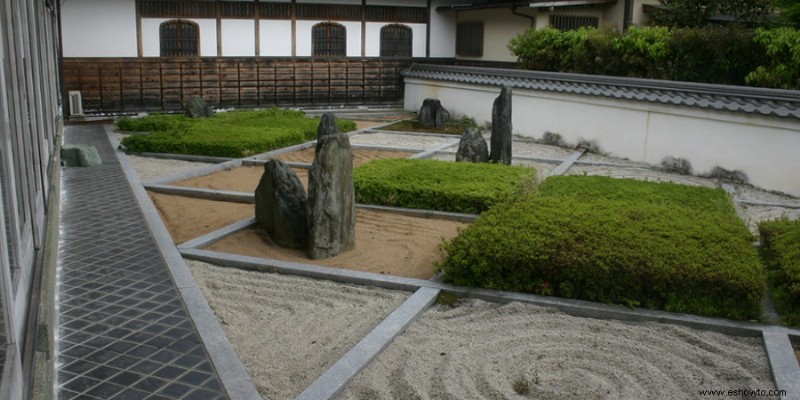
120	85
752	130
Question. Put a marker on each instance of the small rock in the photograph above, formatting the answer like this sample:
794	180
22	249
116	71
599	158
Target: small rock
432	114
80	155
196	107
723	174
679	165
281	204
472	147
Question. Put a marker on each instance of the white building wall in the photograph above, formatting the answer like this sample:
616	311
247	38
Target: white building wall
762	147
276	38
373	39
443	31
304	37
99	28
499	27
151	42
238	38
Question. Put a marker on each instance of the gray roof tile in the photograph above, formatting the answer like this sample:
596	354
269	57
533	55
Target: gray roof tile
736	99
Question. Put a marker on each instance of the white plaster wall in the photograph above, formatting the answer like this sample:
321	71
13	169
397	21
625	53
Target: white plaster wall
276	38
763	148
304	37
443	31
373	39
499	27
99	28
151	43
238	38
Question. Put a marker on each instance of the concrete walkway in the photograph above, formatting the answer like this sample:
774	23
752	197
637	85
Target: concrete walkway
124	329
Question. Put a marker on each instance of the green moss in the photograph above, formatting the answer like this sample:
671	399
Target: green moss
450	128
656	245
780	249
231	134
439	185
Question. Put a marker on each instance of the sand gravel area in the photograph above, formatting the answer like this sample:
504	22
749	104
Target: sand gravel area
386	243
150	169
289	330
480	350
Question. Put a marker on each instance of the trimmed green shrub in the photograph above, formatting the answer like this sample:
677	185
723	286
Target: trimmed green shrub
231	134
656	245
439	185
780	249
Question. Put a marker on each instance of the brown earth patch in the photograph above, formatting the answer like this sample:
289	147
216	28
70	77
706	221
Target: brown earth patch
386	243
187	218
360	156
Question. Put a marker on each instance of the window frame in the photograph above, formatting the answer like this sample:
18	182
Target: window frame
180	40
469	39
395	46
328	45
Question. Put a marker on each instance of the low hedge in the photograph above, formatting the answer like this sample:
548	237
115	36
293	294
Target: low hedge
439	185
231	134
780	249
657	245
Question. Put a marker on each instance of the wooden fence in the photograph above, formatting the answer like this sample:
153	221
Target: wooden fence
150	84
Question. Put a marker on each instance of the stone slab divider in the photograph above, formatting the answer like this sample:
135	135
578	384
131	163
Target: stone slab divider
785	371
200	193
331	383
429	153
185	157
218	235
567	163
229	367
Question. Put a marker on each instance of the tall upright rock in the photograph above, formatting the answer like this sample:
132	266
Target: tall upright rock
501	128
331	194
281	206
432	114
472	147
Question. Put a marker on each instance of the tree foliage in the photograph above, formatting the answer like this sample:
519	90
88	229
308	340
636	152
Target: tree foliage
695	13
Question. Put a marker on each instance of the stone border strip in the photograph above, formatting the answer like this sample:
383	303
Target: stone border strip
229	367
183	157
567	163
200	193
785	371
196	173
429	153
218	235
768	204
331	383
420	213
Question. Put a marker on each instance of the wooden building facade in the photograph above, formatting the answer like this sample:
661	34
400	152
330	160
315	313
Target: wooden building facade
30	129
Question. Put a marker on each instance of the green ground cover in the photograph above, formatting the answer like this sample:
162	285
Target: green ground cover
656	245
439	185
780	249
230	134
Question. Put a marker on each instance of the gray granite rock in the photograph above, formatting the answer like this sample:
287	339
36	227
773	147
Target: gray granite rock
196	107
331	194
281	206
472	147
501	128
80	155
432	114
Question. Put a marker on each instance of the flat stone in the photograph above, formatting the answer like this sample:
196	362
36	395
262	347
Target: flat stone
472	147
281	204
501	128
331	194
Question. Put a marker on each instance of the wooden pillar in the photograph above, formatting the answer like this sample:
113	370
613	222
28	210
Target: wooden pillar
363	28
294	28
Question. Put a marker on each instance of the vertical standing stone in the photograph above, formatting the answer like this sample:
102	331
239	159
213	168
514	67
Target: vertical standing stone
472	147
501	128
432	114
281	206
331	195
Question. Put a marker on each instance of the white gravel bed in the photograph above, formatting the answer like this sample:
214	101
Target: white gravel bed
400	140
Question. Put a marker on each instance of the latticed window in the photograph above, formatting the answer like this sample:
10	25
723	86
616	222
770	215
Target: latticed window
396	41
328	40
469	39
179	39
571	22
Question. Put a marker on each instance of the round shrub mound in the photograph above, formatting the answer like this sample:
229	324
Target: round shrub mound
439	185
656	245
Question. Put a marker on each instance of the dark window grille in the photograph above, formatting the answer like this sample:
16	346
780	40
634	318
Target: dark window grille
396	41
397	14
572	22
338	12
329	40
236	10
275	10
469	39
179	39
178	9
